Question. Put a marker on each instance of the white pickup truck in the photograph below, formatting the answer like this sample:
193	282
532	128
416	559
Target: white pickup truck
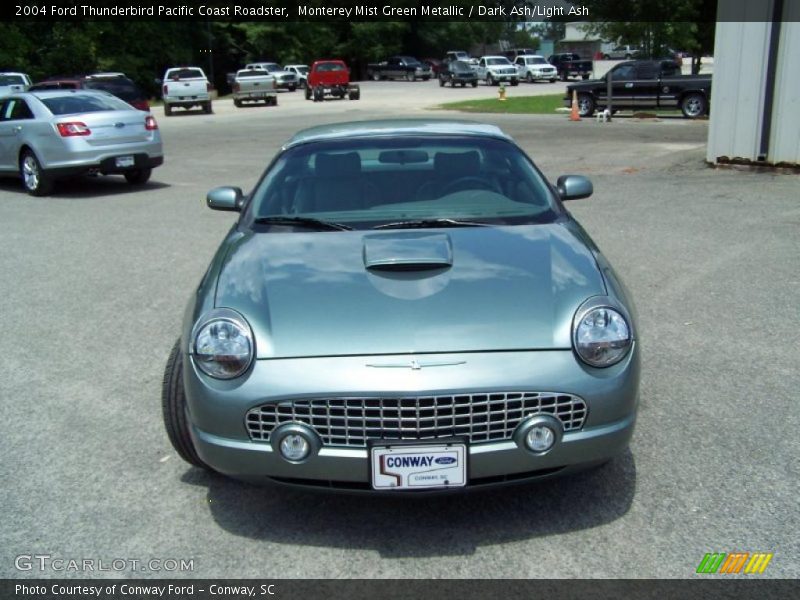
532	67
254	85
495	70
11	83
186	87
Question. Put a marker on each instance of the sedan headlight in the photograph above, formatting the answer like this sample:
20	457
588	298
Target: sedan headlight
223	344
601	336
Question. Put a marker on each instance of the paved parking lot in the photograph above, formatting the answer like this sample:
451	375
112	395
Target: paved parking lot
95	279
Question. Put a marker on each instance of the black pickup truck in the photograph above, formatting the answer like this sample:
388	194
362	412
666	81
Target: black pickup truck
399	67
569	63
644	84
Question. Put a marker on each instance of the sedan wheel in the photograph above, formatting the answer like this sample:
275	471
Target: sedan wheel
34	178
173	406
138	176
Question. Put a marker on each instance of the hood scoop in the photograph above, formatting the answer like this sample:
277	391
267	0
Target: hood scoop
408	251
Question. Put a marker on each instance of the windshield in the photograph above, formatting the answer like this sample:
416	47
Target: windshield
186	74
301	70
366	182
321	67
536	60
497	61
83	103
11	80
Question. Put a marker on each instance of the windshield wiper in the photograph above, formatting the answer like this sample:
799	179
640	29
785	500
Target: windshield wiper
307	222
423	223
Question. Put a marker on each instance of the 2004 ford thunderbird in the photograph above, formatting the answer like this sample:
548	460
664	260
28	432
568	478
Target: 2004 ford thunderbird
403	306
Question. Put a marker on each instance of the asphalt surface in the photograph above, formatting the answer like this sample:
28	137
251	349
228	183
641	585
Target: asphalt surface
95	279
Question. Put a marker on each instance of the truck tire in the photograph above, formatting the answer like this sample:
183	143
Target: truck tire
585	76
693	106
411	77
514	82
308	92
489	79
553	80
207	108
292	88
237	103
318	94
563	75
167	110
354	93
529	77
376	77
441	81
585	105
475	83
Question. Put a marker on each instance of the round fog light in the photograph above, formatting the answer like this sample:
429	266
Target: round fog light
540	438
294	447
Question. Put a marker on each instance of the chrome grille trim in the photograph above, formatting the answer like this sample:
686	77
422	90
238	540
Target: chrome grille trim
352	421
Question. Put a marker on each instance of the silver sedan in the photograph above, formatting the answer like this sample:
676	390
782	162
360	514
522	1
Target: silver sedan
45	136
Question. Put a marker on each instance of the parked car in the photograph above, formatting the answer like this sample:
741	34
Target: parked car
435	64
495	70
254	85
645	84
113	83
11	83
532	67
569	64
403	306
286	80
49	135
301	71
186	87
399	67
626	52
457	55
458	72
330	78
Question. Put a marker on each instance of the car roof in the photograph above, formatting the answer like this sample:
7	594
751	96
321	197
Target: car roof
494	56
44	94
389	127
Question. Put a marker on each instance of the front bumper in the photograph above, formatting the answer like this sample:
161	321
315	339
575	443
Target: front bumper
217	412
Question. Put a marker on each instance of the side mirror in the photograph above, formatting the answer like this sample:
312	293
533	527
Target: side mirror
225	198
574	187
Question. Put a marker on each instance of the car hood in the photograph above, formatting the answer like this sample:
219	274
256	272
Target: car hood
408	291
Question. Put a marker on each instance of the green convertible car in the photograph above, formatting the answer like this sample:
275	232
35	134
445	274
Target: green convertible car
403	306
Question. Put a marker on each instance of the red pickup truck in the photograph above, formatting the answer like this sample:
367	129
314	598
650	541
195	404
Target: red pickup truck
330	78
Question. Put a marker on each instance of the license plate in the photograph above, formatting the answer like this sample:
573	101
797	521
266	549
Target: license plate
257	94
125	161
414	467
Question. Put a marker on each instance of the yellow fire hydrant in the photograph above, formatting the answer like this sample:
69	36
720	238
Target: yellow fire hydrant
501	93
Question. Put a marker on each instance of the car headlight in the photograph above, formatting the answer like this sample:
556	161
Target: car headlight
601	336
223	344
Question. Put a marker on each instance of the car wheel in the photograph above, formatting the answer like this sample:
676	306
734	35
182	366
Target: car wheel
173	406
411	77
529	77
552	80
237	103
318	94
207	108
441	81
514	82
167	110
489	79
292	88
693	106
585	105
138	176
376	77
585	76
354	93
308	93
463	84
563	75
474	84
35	180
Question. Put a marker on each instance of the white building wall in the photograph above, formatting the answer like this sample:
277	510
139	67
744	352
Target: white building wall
785	142
741	52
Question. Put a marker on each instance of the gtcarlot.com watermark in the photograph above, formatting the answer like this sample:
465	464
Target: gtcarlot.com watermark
56	564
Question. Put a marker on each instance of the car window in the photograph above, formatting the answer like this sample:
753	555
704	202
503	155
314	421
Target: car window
369	181
15	109
83	103
646	71
323	67
186	74
251	73
11	80
120	87
624	72
497	61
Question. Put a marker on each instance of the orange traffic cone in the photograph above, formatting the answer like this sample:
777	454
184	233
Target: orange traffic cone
573	115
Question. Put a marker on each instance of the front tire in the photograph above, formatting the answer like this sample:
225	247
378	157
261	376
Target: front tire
441	81
173	406
167	110
693	106
138	176
308	92
207	108
585	76
514	82
529	77
585	105
489	79
34	178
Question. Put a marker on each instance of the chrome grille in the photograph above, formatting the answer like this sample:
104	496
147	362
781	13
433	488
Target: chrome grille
484	417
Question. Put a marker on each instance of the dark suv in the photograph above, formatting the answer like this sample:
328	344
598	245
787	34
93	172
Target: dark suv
458	71
113	83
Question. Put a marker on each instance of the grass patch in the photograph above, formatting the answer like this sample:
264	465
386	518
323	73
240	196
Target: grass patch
534	105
